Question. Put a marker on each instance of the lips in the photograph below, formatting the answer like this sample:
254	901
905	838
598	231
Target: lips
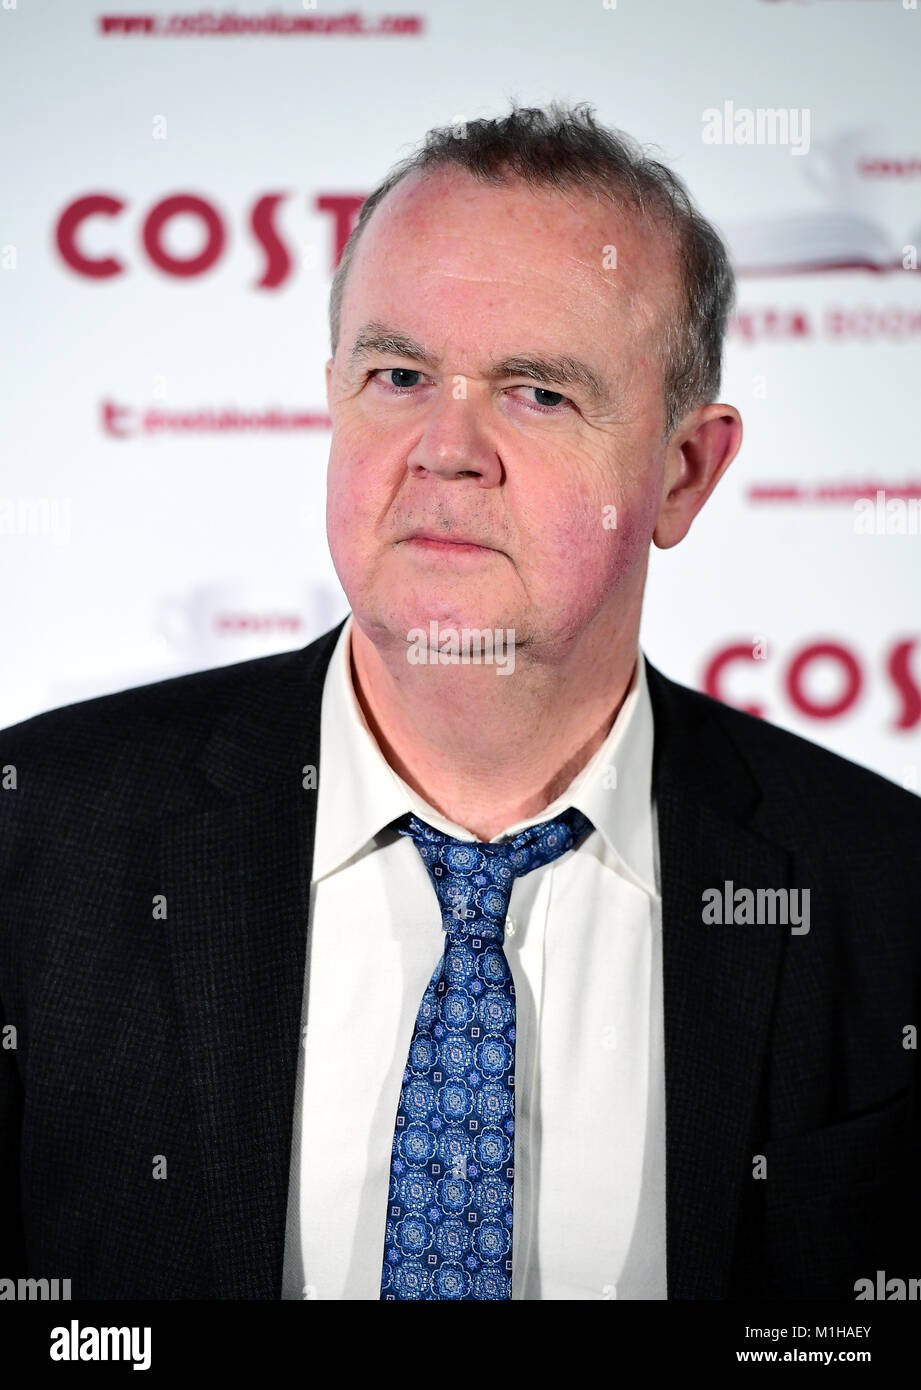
440	538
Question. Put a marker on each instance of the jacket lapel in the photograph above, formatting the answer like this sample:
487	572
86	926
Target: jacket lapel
719	983
236	875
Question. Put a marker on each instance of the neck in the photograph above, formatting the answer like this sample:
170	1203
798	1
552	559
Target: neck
501	747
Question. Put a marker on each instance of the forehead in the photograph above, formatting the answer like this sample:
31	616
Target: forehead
542	260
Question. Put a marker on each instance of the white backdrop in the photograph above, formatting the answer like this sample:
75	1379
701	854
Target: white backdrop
164	436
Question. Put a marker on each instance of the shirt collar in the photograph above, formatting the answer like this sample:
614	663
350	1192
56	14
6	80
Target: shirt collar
360	793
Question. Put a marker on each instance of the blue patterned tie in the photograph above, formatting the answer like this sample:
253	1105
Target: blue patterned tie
449	1212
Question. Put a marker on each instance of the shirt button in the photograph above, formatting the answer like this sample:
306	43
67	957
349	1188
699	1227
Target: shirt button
510	926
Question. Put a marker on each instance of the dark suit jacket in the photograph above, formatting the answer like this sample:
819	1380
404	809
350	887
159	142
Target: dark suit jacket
139	1035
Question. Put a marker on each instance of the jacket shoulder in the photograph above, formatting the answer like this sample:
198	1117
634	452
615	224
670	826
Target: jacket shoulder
804	782
135	749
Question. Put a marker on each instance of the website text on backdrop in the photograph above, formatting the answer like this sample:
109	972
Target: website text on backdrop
318	968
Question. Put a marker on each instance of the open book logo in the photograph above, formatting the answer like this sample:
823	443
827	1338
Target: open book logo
841	235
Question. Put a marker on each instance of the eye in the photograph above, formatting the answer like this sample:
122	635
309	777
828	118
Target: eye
547	403
398	387
546	407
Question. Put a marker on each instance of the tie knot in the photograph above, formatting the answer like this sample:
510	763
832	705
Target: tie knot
473	880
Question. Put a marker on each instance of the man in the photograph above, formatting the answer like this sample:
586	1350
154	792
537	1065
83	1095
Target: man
360	973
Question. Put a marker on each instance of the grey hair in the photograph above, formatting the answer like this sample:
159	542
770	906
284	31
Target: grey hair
565	148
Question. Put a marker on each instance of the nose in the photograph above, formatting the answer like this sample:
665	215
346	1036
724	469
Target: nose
454	444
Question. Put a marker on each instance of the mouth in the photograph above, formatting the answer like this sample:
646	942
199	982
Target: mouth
428	540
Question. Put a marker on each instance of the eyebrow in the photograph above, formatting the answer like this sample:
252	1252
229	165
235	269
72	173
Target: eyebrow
377	338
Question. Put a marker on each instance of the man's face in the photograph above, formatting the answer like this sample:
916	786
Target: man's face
462	442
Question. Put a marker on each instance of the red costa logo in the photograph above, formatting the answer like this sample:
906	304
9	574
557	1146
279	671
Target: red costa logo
851	674
341	207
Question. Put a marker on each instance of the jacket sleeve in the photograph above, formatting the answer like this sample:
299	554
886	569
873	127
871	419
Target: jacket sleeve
12	1238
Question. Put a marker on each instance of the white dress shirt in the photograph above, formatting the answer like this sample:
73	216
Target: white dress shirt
584	942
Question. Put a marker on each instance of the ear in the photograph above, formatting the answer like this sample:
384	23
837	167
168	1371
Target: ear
329	373
698	454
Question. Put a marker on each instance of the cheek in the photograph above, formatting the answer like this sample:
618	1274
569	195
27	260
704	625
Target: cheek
337	509
626	544
351	496
345	499
629	529
591	545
